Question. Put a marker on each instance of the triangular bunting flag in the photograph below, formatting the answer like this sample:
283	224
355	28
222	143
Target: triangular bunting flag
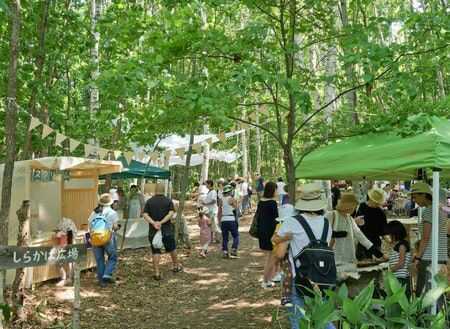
197	148
73	144
167	154
89	151
102	153
46	131
34	123
154	157
182	156
209	140
128	156
60	138
222	137
117	154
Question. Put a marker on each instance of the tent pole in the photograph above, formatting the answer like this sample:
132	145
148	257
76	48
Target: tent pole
435	232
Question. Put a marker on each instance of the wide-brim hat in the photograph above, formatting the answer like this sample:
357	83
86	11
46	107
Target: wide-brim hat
347	199
421	188
105	200
310	198
376	195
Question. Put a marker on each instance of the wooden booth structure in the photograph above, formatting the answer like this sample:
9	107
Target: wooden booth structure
58	187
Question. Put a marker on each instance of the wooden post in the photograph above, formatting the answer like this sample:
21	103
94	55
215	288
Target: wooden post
76	297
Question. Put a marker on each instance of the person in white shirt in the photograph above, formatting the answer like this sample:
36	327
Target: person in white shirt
105	270
202	192
245	196
210	202
280	189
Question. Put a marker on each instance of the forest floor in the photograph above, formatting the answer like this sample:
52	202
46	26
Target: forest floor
209	293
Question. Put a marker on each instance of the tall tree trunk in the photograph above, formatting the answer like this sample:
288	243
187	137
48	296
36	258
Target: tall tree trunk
349	69
39	61
206	150
258	145
180	220
10	130
96	8
244	150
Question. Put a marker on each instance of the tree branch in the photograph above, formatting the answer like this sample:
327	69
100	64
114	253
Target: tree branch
257	126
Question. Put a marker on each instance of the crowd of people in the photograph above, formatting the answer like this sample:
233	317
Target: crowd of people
286	229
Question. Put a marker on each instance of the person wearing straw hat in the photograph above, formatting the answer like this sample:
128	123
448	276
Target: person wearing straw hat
105	270
311	206
346	232
373	221
424	198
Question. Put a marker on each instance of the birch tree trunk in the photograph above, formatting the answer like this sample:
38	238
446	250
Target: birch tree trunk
244	150
39	61
10	131
96	7
206	150
182	237
258	145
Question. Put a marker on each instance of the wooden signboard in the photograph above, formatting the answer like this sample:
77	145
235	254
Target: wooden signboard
20	257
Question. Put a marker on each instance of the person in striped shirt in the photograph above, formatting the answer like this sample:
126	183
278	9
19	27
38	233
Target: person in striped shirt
400	255
424	198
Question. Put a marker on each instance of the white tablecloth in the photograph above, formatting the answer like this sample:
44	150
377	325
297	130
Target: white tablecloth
136	235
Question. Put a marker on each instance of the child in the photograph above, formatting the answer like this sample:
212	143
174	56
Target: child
400	256
204	222
284	211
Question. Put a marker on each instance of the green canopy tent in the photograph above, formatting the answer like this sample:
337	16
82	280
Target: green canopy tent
387	156
137	169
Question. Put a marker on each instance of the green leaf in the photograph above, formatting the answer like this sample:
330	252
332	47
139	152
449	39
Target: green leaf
6	310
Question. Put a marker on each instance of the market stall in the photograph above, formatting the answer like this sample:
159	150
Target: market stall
58	187
388	156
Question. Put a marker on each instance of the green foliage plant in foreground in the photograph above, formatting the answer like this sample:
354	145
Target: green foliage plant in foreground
394	311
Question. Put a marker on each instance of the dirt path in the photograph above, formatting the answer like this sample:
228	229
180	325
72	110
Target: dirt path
210	293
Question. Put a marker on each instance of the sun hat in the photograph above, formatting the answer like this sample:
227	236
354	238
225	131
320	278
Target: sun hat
285	211
347	199
203	210
310	198
105	200
227	189
422	188
376	195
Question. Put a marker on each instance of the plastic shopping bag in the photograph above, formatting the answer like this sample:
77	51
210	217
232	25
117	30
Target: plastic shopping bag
157	240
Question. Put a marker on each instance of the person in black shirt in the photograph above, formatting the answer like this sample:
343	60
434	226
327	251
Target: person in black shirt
375	221
335	194
158	212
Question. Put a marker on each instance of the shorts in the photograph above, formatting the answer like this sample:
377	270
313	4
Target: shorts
168	242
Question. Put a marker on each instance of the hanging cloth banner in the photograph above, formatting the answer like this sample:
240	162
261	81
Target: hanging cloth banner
34	123
60	138
209	140
128	157
73	144
46	131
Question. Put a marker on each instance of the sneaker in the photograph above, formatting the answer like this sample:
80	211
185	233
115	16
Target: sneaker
225	254
109	280
267	285
286	302
234	253
278	277
102	284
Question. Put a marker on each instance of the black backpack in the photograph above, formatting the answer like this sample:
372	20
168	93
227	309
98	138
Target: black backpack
315	267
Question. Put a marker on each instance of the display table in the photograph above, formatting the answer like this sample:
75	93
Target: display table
358	278
136	235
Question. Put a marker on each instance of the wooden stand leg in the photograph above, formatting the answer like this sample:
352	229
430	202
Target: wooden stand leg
76	299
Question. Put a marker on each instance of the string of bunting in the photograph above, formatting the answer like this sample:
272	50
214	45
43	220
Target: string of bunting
102	153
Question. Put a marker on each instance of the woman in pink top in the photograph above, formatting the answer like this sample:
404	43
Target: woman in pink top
204	222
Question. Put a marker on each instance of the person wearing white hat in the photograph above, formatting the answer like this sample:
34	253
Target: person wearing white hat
375	221
311	206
